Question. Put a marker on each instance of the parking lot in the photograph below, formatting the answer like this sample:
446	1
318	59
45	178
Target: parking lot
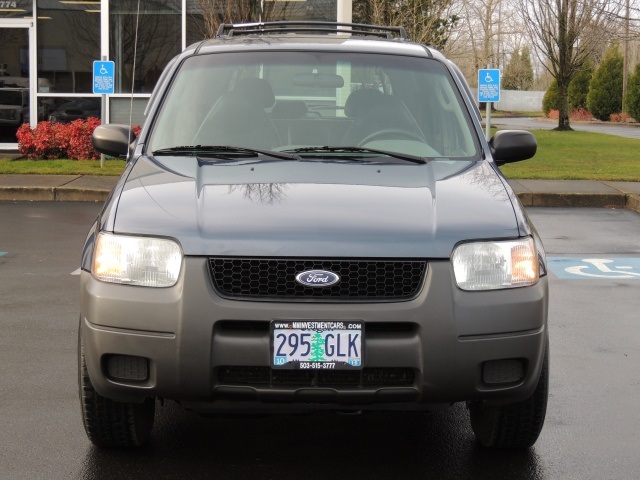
592	423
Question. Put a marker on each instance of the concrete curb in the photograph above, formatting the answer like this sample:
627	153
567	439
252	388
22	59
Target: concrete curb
52	194
610	200
80	195
633	203
56	188
577	193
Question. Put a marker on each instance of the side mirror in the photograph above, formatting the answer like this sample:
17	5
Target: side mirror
113	140
512	146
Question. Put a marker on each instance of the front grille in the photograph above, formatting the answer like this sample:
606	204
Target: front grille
276	278
265	376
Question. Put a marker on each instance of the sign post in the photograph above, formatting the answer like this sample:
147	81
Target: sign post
488	91
103	84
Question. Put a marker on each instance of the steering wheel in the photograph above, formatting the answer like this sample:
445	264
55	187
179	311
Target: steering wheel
391	134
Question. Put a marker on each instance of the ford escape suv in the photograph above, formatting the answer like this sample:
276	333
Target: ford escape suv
311	219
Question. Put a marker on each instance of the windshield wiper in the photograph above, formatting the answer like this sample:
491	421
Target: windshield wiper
224	150
401	156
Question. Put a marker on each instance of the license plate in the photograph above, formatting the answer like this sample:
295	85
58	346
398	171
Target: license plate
317	345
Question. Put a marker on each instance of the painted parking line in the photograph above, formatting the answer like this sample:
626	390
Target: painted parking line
595	268
3	253
76	272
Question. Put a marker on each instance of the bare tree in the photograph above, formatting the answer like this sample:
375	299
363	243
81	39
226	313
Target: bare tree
264	193
489	31
488	17
429	22
567	33
214	12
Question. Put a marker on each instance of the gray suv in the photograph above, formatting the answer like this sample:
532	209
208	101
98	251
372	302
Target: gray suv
311	219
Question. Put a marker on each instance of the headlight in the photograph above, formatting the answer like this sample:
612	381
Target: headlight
142	261
495	265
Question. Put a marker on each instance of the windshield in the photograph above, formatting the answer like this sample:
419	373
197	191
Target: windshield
290	101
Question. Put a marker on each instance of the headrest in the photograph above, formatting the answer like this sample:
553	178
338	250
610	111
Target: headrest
256	88
360	101
236	113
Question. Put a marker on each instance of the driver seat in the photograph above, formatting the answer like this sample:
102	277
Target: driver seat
372	111
239	118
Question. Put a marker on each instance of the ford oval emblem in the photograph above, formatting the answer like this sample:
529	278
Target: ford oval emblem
317	278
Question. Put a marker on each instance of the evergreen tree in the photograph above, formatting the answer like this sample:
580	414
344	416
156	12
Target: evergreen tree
605	88
510	75
527	69
579	87
632	100
550	99
518	74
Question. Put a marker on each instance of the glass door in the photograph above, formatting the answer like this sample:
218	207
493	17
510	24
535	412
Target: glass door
16	84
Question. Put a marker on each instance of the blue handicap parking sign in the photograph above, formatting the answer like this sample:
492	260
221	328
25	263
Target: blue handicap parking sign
489	85
104	77
595	268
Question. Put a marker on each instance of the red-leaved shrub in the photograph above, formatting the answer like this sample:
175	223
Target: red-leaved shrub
578	115
581	115
46	141
58	140
80	147
620	118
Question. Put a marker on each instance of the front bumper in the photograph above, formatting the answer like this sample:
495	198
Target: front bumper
189	335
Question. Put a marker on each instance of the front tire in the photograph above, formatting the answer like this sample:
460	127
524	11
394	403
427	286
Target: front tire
109	423
516	425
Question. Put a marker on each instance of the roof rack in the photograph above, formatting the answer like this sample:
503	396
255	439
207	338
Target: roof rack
310	27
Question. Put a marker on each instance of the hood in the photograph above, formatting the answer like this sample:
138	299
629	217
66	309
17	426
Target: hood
314	207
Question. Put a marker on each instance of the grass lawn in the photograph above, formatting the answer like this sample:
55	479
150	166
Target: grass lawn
579	156
61	167
561	156
506	114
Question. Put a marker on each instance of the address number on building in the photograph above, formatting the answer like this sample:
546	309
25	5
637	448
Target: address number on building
317	345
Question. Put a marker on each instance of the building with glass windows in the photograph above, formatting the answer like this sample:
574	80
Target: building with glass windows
48	47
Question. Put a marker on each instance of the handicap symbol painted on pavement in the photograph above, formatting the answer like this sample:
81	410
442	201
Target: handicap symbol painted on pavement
3	253
595	268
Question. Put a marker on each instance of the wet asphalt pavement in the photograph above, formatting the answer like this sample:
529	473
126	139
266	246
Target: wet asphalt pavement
591	432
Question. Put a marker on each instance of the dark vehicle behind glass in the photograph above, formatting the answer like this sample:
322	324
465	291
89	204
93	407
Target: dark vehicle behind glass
79	109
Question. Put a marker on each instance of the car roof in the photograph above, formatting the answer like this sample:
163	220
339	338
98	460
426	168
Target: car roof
311	36
297	41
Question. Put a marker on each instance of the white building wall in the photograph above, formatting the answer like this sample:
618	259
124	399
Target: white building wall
518	100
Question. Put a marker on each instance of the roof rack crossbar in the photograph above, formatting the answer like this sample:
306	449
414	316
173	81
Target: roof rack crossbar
311	30
310	26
